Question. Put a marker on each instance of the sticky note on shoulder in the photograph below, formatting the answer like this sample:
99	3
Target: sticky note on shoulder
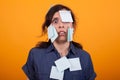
66	16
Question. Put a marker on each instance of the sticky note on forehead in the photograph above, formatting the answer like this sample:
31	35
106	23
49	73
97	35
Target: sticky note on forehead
66	16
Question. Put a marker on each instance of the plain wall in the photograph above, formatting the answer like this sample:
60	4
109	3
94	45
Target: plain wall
98	30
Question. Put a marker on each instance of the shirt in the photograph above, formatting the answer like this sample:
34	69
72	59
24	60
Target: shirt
40	61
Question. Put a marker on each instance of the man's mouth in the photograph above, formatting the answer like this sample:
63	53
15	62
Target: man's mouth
61	33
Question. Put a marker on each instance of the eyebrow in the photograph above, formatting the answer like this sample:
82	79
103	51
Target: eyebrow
56	18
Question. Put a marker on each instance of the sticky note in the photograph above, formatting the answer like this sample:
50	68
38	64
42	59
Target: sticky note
70	34
66	16
55	35
52	33
55	74
62	64
75	64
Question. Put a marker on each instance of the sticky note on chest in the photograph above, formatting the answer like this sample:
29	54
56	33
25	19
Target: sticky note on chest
55	74
75	64
62	64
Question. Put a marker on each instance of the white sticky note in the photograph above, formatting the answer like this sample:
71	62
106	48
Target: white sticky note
66	16
52	33
75	64
55	35
62	64
70	34
55	74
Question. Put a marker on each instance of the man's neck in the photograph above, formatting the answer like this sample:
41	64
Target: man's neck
62	48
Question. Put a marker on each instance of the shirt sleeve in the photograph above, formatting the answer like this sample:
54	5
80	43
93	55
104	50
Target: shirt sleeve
28	68
90	73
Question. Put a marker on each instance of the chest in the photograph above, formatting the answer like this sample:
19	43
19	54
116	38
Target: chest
43	65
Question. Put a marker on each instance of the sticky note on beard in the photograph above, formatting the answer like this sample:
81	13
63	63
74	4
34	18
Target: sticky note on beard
52	33
66	16
70	34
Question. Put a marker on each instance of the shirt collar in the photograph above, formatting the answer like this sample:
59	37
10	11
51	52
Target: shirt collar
50	48
72	48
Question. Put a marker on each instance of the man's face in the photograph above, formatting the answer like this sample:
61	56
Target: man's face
61	27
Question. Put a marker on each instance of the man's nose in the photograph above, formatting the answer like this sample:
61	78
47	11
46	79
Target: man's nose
61	25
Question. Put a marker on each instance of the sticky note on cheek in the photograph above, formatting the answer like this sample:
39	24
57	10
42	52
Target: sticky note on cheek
66	16
70	34
52	33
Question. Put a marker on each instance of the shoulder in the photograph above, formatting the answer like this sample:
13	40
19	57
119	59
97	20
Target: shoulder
78	45
85	57
83	54
37	51
78	48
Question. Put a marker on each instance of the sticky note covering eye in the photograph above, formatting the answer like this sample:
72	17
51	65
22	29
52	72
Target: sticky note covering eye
66	16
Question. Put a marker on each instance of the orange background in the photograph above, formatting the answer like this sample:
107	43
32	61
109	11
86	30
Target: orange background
98	30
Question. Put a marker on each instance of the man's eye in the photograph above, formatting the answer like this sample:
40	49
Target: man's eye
55	21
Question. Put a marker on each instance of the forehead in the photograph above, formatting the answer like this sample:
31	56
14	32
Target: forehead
57	14
65	15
